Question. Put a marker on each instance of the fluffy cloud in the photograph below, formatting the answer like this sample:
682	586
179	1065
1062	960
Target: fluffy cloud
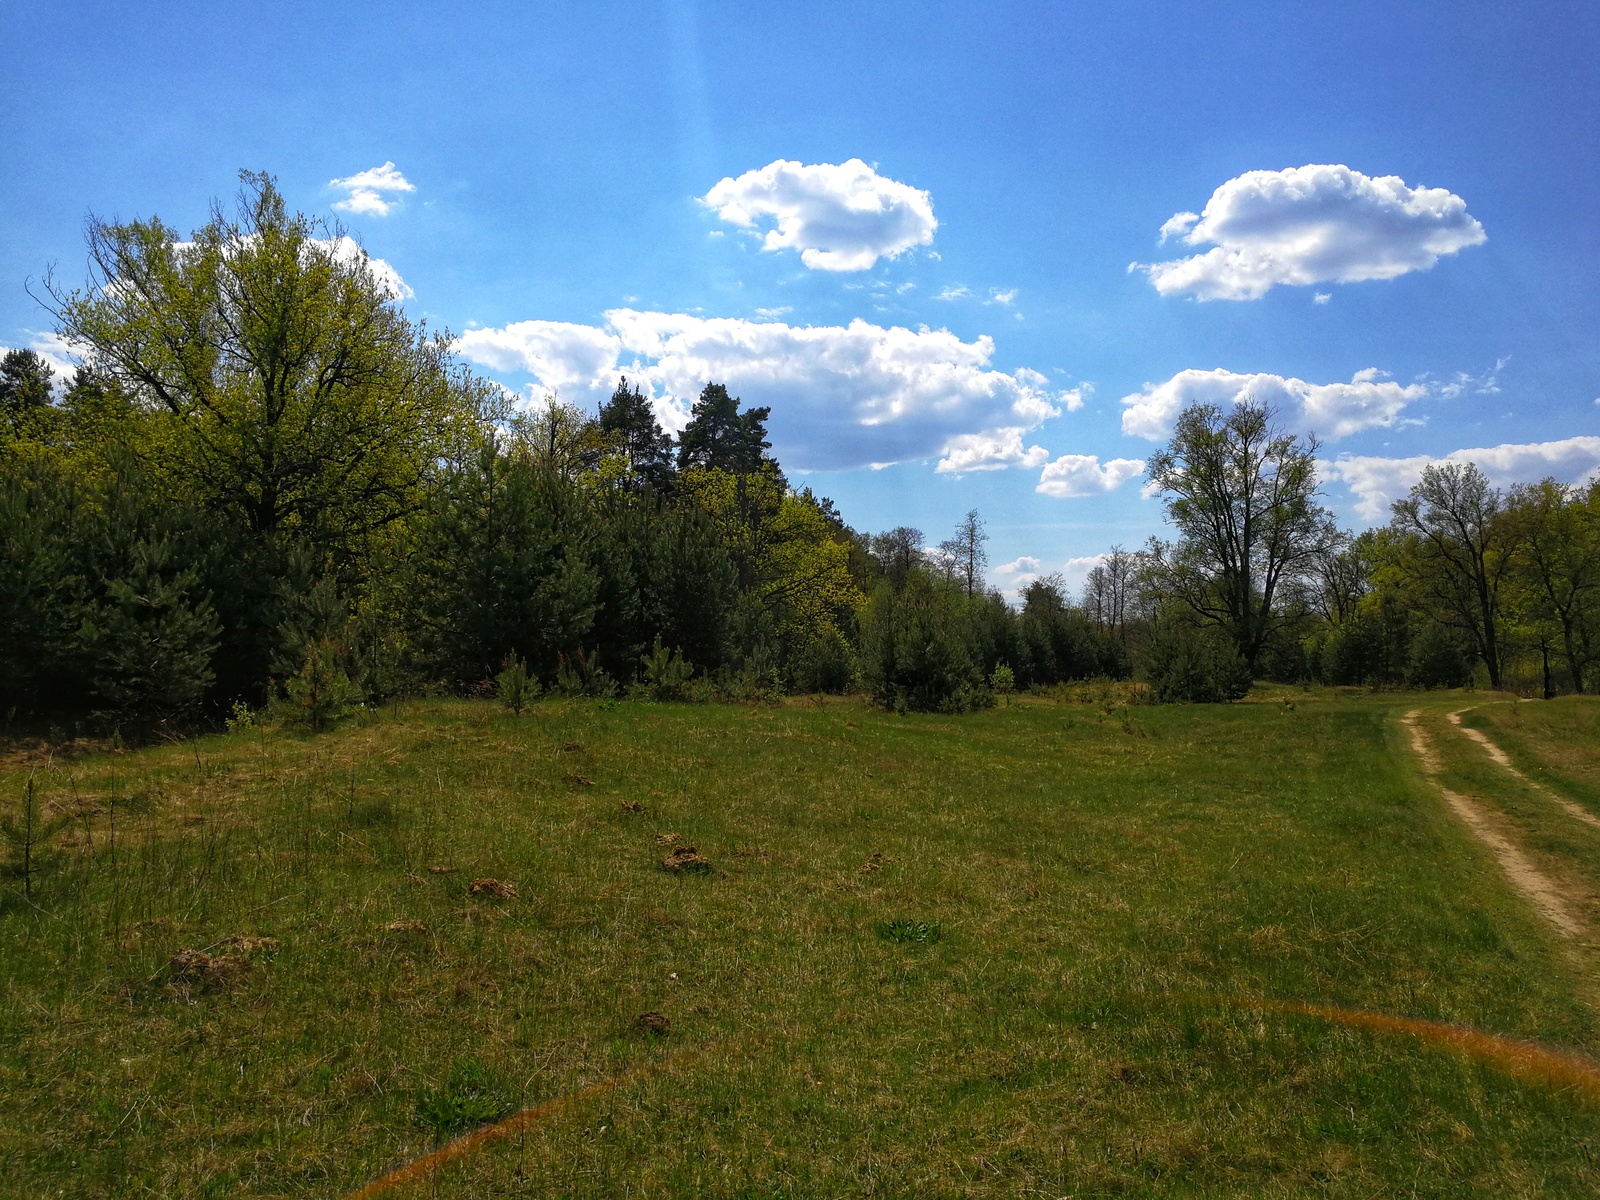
1378	482
364	191
1082	475
992	451
841	396
840	217
1312	224
1332	410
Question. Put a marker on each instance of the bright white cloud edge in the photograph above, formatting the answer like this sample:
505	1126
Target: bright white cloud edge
1320	223
1376	482
365	190
1331	410
840	217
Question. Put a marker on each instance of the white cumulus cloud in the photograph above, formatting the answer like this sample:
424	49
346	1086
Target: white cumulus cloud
1377	482
365	190
994	450
1082	475
840	217
1313	224
841	395
1331	410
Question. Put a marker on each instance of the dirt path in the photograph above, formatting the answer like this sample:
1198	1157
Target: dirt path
1536	887
1500	756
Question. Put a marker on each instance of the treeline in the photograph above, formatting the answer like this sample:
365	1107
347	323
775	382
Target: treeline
1468	583
267	485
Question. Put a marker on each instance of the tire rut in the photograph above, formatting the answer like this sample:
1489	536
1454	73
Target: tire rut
1533	884
1573	809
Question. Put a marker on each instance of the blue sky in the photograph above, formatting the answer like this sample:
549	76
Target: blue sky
1430	171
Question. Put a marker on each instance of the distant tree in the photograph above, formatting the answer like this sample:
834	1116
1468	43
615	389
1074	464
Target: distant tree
560	437
899	552
967	556
1108	591
1243	496
719	437
1459	554
629	420
25	391
1557	572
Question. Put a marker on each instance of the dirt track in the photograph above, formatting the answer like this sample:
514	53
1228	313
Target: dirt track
1534	885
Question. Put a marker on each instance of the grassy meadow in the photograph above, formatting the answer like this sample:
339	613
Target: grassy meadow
1016	953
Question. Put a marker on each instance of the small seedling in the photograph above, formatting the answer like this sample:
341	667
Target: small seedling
909	931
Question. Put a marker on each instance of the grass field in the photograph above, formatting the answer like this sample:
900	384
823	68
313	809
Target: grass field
1027	952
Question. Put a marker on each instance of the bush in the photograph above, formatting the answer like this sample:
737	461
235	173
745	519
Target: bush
666	673
915	654
322	693
1184	665
1437	660
513	687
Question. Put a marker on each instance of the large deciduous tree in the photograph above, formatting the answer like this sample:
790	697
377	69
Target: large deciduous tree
297	397
1242	494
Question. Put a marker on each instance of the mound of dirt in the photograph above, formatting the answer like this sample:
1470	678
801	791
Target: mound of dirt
685	858
632	806
500	889
197	969
411	925
654	1022
580	781
668	839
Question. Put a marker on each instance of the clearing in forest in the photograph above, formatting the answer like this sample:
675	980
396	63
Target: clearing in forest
1051	948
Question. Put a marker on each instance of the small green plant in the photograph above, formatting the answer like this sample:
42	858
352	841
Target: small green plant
30	834
667	672
240	718
1004	680
513	686
472	1096
578	675
909	931
321	694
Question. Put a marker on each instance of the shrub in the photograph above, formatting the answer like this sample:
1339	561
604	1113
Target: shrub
1184	665
915	654
1437	659
322	693
1003	681
666	673
513	687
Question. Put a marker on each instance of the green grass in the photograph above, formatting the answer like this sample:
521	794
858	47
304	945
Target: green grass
993	955
1556	742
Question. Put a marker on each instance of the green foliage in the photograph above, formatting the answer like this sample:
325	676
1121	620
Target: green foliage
578	674
148	642
1185	665
667	673
719	437
1437	660
321	693
916	650
513	687
1003	680
29	835
473	1095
